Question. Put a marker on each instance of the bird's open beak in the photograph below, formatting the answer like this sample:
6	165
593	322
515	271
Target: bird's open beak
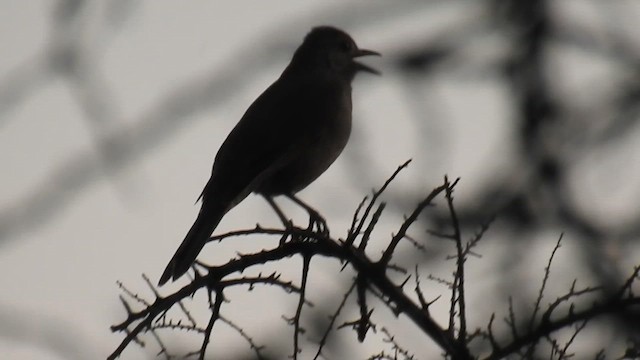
363	67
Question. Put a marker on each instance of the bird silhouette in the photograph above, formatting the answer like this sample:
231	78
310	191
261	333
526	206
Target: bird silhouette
285	140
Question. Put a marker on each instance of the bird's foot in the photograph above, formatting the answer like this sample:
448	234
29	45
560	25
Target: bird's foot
288	231
317	223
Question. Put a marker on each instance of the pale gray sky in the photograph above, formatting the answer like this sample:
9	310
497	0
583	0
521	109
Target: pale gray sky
126	216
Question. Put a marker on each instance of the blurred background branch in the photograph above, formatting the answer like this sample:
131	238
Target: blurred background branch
535	104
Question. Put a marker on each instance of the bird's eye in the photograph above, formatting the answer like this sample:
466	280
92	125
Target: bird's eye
345	46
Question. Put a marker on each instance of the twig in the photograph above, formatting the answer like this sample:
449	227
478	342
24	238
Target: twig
458	280
388	253
306	259
256	349
352	234
333	319
215	315
367	233
547	272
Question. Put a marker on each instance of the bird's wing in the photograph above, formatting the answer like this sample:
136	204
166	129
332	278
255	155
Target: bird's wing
267	137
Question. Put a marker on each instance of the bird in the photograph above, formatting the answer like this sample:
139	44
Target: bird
285	140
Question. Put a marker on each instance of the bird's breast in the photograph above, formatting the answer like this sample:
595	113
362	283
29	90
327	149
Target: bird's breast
332	133
323	134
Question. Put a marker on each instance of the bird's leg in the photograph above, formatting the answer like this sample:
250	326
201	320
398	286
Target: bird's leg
286	222
315	219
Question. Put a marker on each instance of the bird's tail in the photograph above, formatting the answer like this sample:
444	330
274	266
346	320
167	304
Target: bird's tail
195	240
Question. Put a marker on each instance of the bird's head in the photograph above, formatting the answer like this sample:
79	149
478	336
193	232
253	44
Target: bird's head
332	50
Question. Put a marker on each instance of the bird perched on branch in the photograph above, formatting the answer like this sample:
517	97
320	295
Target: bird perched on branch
286	139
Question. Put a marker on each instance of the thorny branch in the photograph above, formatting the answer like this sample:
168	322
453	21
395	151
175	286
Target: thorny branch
371	277
215	278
